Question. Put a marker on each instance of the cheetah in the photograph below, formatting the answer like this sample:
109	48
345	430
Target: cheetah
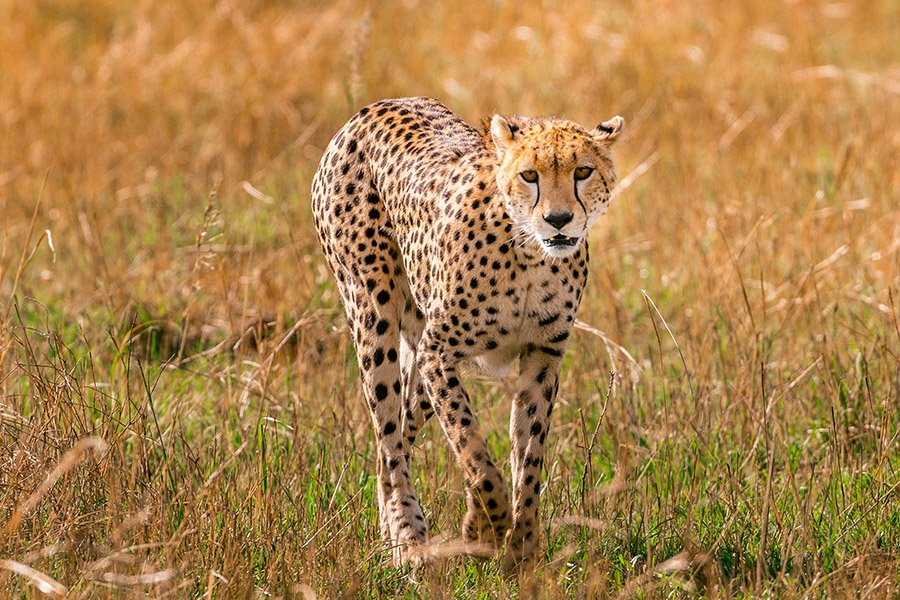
451	245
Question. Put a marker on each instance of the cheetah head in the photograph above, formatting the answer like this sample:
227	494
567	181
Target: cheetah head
556	177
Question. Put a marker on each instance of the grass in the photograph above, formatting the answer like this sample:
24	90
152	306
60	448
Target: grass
179	408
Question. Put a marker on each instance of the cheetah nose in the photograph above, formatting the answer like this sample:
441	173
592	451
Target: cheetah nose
558	219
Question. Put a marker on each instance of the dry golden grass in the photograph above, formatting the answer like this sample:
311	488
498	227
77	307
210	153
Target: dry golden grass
179	412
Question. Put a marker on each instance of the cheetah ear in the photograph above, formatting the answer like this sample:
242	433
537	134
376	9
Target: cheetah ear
502	135
608	131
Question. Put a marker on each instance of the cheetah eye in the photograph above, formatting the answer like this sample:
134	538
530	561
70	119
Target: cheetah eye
582	173
529	176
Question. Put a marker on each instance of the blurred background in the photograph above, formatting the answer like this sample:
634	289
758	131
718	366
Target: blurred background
156	241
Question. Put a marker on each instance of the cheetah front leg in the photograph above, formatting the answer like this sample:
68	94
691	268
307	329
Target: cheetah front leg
529	424
487	501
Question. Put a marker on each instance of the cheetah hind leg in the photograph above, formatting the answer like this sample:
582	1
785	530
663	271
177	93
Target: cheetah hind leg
416	407
376	333
402	524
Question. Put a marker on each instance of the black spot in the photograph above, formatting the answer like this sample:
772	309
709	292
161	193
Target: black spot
549	319
378	357
383	297
381	391
381	327
560	337
536	428
389	428
487	486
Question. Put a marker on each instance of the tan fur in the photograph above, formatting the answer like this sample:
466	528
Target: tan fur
444	254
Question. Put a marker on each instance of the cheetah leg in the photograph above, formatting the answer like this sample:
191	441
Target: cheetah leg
417	408
487	502
373	312
399	505
355	234
529	424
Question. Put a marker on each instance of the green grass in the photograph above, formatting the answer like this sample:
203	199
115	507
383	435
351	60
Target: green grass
247	457
751	448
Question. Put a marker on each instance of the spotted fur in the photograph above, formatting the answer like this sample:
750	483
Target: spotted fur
444	252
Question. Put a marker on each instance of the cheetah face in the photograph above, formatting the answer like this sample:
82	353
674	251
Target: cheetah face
556	178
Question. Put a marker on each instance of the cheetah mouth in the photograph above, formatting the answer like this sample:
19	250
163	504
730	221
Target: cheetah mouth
561	241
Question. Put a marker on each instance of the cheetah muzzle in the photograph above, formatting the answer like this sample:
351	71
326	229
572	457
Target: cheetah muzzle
561	241
449	246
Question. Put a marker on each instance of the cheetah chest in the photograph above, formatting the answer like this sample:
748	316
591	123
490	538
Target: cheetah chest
541	312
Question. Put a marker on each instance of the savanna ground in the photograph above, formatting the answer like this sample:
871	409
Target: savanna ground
178	395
